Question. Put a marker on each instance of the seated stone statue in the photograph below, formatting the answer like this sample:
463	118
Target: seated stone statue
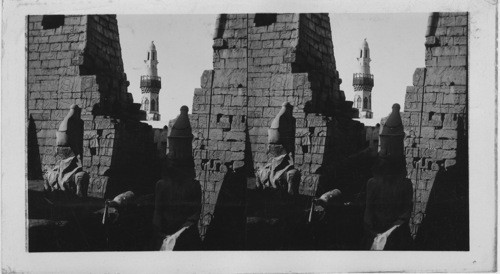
279	173
67	176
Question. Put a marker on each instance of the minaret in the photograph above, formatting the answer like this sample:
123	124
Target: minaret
363	83
151	85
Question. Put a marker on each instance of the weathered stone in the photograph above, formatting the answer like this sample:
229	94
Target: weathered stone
432	124
54	68
446	76
418	77
245	102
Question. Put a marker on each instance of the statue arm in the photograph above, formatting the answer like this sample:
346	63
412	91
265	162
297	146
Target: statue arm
195	205
157	210
408	203
368	216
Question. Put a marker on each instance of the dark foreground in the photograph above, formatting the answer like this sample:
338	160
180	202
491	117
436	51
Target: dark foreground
68	224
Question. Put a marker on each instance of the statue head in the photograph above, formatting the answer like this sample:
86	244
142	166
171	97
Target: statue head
391	155
180	139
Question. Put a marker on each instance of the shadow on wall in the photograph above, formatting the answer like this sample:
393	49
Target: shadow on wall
446	224
34	162
347	162
227	229
134	163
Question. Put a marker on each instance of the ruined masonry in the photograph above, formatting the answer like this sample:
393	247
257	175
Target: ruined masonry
77	60
261	61
435	112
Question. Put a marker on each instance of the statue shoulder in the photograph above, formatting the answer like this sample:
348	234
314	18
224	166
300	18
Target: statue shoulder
407	182
196	184
164	182
372	184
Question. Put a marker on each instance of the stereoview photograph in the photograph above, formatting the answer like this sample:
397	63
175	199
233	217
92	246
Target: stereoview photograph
266	131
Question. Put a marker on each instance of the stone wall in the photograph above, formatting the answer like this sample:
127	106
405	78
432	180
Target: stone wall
435	113
260	62
76	59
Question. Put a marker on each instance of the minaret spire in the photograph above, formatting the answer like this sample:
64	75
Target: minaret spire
151	85
363	83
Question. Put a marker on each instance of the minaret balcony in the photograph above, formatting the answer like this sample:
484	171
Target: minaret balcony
150	81
362	79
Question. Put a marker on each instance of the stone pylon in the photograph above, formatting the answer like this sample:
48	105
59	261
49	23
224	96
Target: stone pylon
435	112
261	61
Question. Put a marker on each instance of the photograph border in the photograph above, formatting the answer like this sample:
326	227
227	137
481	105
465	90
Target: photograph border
482	152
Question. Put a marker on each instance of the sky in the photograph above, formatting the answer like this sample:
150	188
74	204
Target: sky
184	46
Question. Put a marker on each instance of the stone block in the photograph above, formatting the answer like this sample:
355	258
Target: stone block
234	156
449	144
270	112
270	36
457	109
97	186
282	81
430	97
418	77
238	164
450	122
65	55
69	84
449	163
460	40
315	121
431	41
258	131
267	44
229	77
40	39
234	136
308	185
446	134
456	31
58	38
72	37
236	146
458	61
431	62
461	20
450	50
262	101
427	132
446	41
440	31
437	76
72	20
443	61
446	154
446	21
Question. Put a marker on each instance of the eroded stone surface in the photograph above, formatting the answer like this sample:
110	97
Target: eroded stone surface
435	111
260	62
78	61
